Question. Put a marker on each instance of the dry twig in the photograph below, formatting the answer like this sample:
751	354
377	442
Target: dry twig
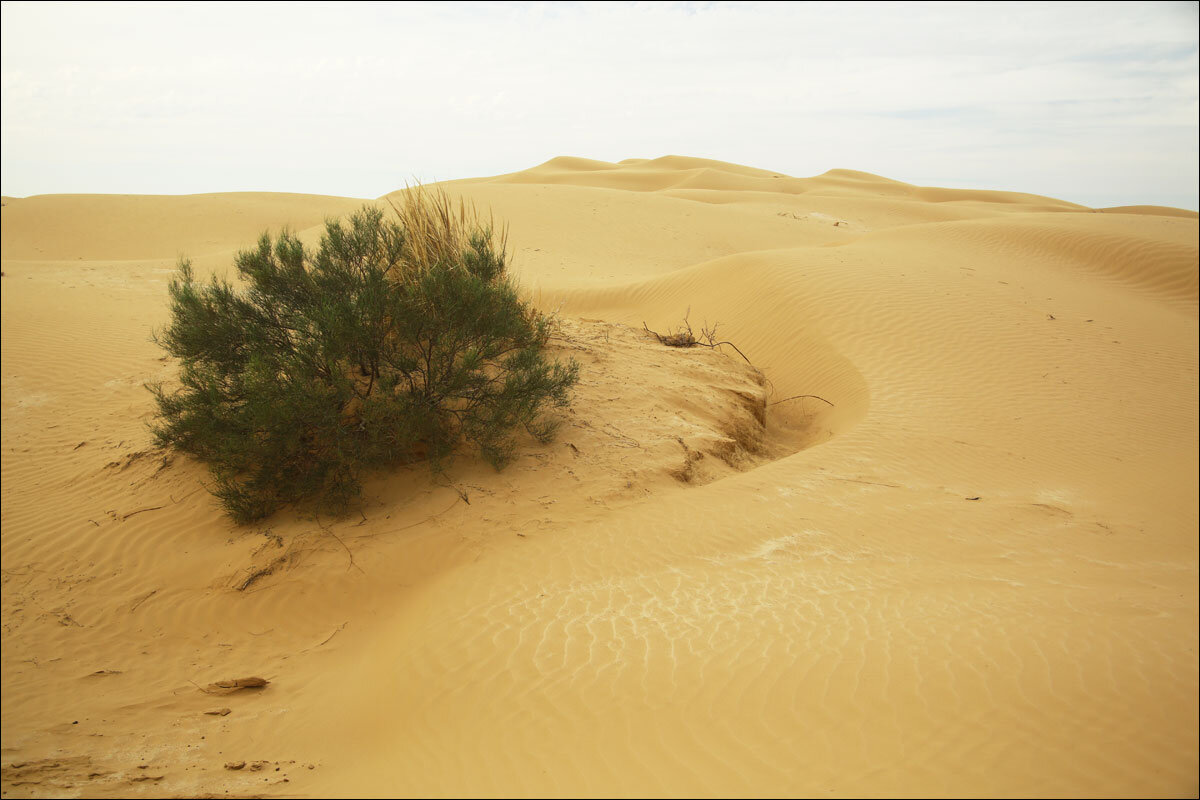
797	397
140	511
329	530
686	337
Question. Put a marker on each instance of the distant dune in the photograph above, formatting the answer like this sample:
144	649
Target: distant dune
125	227
969	569
1152	211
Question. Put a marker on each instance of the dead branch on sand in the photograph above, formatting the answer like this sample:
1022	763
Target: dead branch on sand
797	397
685	337
329	530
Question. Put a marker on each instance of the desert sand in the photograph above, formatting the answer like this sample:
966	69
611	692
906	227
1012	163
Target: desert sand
971	572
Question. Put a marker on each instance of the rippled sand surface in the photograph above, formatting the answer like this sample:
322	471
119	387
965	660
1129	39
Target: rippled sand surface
975	574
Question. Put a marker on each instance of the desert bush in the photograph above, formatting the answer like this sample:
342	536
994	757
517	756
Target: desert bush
395	340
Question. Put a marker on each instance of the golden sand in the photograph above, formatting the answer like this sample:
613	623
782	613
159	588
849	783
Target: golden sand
974	575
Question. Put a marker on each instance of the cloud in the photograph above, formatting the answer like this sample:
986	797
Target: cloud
348	99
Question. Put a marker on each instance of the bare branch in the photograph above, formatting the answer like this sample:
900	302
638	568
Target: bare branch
797	397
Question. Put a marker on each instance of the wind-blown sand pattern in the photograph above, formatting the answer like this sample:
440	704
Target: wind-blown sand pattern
975	574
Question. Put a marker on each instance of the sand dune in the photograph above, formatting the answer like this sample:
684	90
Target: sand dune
124	227
975	574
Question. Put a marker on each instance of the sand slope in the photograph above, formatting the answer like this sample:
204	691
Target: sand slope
975	574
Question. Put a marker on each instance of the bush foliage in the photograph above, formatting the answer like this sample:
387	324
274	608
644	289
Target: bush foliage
394	341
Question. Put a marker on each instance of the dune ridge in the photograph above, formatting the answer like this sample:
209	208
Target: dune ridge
678	172
974	574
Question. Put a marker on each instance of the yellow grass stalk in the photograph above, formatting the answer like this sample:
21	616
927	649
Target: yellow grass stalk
438	229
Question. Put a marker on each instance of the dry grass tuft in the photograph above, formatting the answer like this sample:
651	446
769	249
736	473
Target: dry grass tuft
438	229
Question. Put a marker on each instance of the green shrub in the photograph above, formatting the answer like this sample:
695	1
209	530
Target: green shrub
392	342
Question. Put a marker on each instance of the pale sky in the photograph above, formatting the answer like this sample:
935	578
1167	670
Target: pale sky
1090	102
